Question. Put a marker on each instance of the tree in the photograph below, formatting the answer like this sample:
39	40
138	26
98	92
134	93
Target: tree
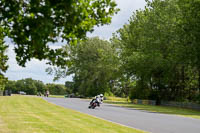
3	59
190	31
34	23
33	87
94	64
40	86
20	85
159	50
27	85
151	50
11	85
70	87
56	89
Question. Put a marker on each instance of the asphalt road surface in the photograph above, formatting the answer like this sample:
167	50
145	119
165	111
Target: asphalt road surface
144	120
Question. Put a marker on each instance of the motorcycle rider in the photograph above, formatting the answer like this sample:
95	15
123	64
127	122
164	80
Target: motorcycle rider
98	99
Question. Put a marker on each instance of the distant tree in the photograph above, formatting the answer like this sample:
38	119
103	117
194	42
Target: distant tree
33	87
56	89
27	85
20	85
41	87
94	64
11	85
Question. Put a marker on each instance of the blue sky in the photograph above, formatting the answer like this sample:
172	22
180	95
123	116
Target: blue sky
36	69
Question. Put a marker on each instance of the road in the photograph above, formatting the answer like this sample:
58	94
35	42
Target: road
147	121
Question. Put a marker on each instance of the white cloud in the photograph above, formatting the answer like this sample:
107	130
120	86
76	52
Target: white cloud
127	7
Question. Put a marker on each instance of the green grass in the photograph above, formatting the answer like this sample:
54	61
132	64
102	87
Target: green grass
26	114
117	99
57	96
159	109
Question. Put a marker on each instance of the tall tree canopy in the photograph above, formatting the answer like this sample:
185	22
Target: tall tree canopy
3	60
31	24
94	64
160	48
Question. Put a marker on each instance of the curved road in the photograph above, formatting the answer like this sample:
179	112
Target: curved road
147	121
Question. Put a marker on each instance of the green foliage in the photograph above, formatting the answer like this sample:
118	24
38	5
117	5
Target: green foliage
33	87
139	91
11	85
41	87
30	86
3	60
70	87
160	49
108	94
3	81
27	85
56	89
34	23
94	65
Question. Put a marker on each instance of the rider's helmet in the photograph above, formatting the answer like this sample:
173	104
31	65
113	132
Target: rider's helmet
101	95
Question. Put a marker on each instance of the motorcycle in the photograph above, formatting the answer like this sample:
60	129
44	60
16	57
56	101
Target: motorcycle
93	104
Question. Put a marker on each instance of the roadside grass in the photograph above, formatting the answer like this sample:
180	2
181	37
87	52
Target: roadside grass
57	96
26	114
158	109
117	99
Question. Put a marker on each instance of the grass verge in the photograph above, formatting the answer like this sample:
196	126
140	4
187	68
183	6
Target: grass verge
57	96
159	109
25	114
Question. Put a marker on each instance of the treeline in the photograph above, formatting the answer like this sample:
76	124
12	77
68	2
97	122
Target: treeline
155	56
33	87
160	50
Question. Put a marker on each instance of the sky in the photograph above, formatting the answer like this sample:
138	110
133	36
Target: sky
35	69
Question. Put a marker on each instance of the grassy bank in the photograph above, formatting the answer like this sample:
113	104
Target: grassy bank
26	114
159	109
